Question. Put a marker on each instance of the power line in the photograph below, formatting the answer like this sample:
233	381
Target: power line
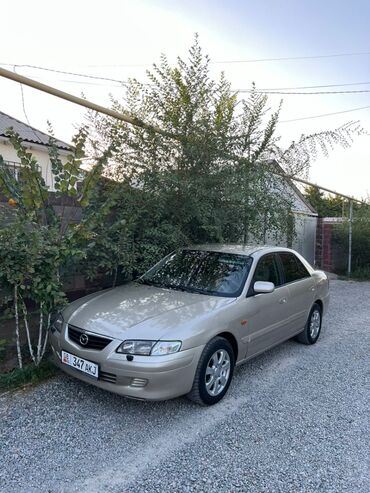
24	108
250	60
311	57
47	69
307	87
123	116
259	91
22	98
75	74
325	114
272	92
120	116
299	93
119	84
84	82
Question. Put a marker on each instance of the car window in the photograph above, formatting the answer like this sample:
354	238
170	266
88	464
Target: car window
214	273
267	270
292	267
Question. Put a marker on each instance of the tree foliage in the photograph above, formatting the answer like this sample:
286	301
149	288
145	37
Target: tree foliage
211	175
36	242
213	181
326	205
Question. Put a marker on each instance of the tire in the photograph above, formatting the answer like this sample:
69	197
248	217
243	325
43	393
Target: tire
214	372
311	332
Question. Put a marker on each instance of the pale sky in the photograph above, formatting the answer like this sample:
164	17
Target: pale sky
120	39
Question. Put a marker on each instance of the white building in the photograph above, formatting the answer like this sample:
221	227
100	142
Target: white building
304	217
35	141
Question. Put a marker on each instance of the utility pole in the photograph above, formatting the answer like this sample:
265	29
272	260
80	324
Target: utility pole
82	102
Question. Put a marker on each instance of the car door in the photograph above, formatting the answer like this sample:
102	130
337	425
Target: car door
267	315
301	287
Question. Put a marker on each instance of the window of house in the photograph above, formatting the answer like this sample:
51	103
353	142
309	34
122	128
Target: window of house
13	168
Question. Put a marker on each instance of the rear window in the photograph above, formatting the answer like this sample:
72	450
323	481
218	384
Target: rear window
292	267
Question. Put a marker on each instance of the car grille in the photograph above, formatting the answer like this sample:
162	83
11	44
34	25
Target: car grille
107	377
94	341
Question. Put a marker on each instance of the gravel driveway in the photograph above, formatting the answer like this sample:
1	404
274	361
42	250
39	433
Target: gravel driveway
296	419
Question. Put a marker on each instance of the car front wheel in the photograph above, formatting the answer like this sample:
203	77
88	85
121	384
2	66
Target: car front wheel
312	330
214	372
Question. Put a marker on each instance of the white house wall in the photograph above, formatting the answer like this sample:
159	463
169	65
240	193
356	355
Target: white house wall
39	152
304	240
305	221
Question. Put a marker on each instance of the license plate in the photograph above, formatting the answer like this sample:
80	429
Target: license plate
80	364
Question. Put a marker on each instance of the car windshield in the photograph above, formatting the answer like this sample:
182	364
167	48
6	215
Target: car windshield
198	271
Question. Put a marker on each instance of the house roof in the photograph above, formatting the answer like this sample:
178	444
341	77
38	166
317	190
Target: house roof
28	133
298	194
303	198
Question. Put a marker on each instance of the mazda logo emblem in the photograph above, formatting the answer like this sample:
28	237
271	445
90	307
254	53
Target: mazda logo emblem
84	339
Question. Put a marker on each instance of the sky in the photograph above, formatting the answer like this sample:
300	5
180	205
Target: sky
120	39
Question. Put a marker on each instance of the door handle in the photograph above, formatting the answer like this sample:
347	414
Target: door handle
312	288
282	300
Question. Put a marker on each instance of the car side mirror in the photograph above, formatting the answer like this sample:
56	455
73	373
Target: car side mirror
263	287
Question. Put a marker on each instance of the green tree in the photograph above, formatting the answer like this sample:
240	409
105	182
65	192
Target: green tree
212	181
35	241
325	204
360	242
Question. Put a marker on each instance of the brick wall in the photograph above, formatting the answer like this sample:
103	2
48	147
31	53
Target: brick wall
327	254
319	244
324	247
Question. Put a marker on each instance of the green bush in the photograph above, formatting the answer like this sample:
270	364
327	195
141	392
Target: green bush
28	375
360	243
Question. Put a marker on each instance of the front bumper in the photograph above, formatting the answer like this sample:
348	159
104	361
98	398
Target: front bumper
146	377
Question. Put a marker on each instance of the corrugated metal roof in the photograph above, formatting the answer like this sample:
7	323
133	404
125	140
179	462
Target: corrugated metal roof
27	133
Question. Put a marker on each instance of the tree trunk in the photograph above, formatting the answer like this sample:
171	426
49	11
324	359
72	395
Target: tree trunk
115	277
38	357
28	332
19	354
46	337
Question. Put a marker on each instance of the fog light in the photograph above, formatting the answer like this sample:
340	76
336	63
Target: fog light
138	382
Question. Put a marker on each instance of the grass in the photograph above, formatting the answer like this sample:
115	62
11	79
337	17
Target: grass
355	276
28	375
3	346
361	274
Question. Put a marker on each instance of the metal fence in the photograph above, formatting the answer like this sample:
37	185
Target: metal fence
343	244
13	168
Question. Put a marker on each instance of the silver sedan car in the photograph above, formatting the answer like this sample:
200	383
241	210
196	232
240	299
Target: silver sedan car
183	326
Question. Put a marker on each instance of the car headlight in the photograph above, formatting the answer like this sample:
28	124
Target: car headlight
57	323
149	348
165	347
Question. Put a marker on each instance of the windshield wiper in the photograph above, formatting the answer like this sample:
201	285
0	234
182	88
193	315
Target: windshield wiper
144	281
189	289
156	284
186	289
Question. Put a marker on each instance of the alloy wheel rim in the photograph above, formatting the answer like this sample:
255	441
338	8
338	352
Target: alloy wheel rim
315	323
217	372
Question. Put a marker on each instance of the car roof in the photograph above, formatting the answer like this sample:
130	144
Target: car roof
238	248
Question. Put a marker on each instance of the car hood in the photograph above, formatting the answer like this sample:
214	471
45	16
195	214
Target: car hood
141	312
